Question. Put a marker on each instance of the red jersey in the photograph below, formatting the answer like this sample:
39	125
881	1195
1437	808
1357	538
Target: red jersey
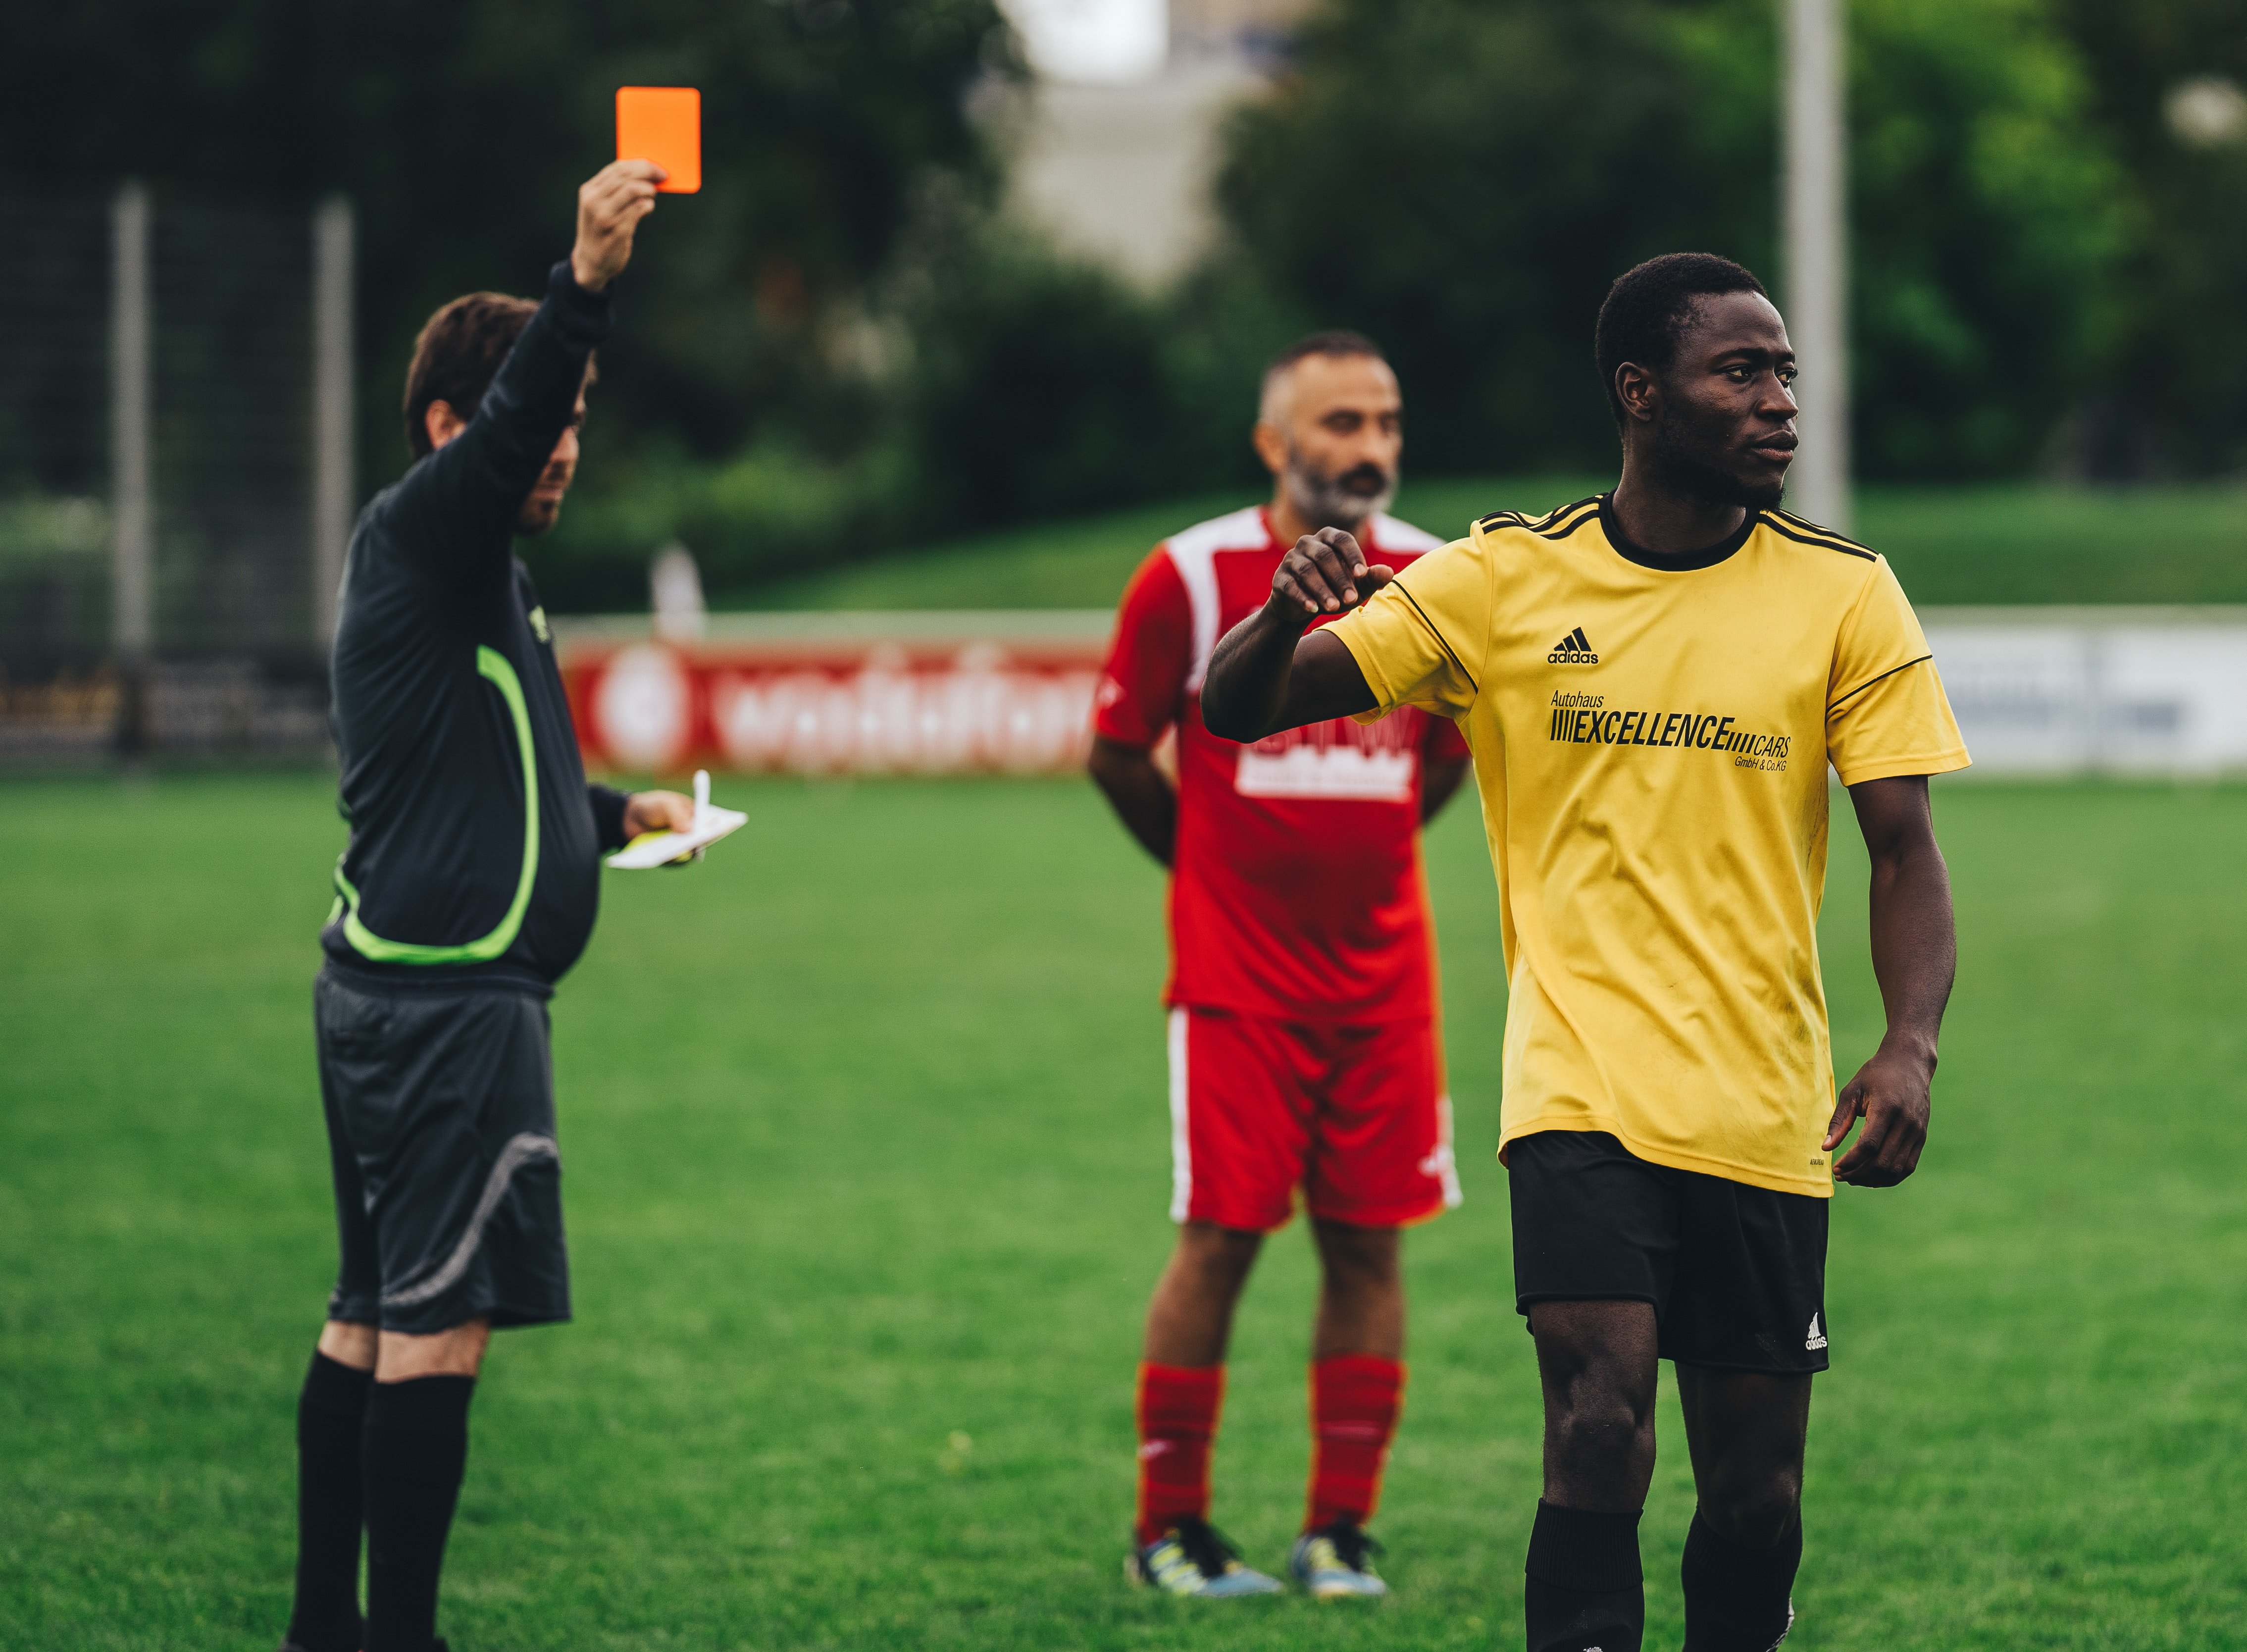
1296	887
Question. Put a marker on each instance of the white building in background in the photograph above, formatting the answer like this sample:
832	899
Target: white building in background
1118	145
1102	42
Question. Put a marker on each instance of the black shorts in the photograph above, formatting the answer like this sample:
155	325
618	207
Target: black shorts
441	1129
1736	1275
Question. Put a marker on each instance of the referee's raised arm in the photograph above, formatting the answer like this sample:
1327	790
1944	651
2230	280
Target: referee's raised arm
1267	674
487	467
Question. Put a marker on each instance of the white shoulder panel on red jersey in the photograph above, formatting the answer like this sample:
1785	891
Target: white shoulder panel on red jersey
1192	553
1394	534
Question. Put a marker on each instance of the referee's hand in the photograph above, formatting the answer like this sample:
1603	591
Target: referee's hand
1324	574
658	812
611	203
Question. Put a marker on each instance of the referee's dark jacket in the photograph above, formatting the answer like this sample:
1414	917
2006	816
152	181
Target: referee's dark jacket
475	842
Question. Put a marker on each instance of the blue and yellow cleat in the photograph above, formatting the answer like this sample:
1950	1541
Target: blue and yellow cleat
1336	1563
1192	1558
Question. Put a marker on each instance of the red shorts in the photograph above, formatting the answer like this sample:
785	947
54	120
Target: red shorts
1354	1116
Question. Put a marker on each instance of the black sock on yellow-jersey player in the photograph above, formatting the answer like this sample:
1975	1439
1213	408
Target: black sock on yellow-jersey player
1655	682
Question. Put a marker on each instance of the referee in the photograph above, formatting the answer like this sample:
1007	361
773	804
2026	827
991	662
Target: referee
469	888
1655	682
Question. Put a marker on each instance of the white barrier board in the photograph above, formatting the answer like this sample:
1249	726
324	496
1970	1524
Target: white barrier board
2126	691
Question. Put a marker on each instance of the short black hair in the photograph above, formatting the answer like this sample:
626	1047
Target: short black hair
1647	308
1333	342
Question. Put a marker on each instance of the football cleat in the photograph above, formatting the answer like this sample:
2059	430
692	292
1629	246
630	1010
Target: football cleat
1193	1558
1336	1563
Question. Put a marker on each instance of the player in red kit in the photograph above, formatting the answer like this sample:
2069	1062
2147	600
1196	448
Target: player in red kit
1304	1055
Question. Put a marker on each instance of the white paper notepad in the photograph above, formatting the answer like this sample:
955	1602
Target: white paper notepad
661	849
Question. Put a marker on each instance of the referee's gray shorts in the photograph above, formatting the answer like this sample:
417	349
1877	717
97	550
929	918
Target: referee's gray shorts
440	1105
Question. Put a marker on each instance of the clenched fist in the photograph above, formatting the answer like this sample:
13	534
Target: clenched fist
1324	574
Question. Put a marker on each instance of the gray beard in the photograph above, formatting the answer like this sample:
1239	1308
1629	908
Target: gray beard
1321	500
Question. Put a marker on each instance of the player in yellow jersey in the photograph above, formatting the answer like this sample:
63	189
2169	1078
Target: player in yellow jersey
1655	682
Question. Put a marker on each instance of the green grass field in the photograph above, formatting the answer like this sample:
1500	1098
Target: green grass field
866	1138
2007	544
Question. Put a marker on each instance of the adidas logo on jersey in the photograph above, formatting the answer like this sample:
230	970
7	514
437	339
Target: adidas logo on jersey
1572	649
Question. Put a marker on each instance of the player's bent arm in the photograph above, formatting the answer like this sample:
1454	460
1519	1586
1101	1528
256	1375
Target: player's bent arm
1138	792
1914	947
1267	689
1439	781
1266	675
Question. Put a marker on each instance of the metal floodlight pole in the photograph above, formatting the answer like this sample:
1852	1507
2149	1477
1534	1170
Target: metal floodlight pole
1815	195
332	410
131	506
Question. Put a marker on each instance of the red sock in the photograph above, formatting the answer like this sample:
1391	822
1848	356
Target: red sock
1355	1400
1177	1422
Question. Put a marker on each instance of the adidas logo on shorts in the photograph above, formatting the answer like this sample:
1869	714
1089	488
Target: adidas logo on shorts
1816	1339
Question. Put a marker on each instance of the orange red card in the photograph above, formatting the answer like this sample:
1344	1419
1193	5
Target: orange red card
663	124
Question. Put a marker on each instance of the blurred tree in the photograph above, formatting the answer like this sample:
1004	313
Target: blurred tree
1037	383
1462	179
1010	382
835	346
461	127
2170	79
1987	222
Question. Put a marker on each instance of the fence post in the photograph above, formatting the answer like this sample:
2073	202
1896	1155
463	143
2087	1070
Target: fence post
332	410
1816	223
132	503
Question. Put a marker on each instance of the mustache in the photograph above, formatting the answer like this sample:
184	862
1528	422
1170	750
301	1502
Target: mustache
1368	478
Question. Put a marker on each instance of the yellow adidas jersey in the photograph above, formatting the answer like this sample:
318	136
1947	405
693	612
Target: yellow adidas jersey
1651	737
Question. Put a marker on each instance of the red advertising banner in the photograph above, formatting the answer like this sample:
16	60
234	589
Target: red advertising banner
837	694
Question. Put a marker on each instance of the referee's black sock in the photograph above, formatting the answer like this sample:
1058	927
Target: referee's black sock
1736	1598
331	1413
1585	1589
417	1448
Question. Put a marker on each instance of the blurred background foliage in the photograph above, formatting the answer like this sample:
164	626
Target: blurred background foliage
846	344
2177	363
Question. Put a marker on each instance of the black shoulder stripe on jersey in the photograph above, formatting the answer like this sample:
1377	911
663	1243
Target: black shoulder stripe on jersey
1771	521
1564	522
1535	524
1567	529
1869	682
1568	509
1440	638
1790	526
1817	529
